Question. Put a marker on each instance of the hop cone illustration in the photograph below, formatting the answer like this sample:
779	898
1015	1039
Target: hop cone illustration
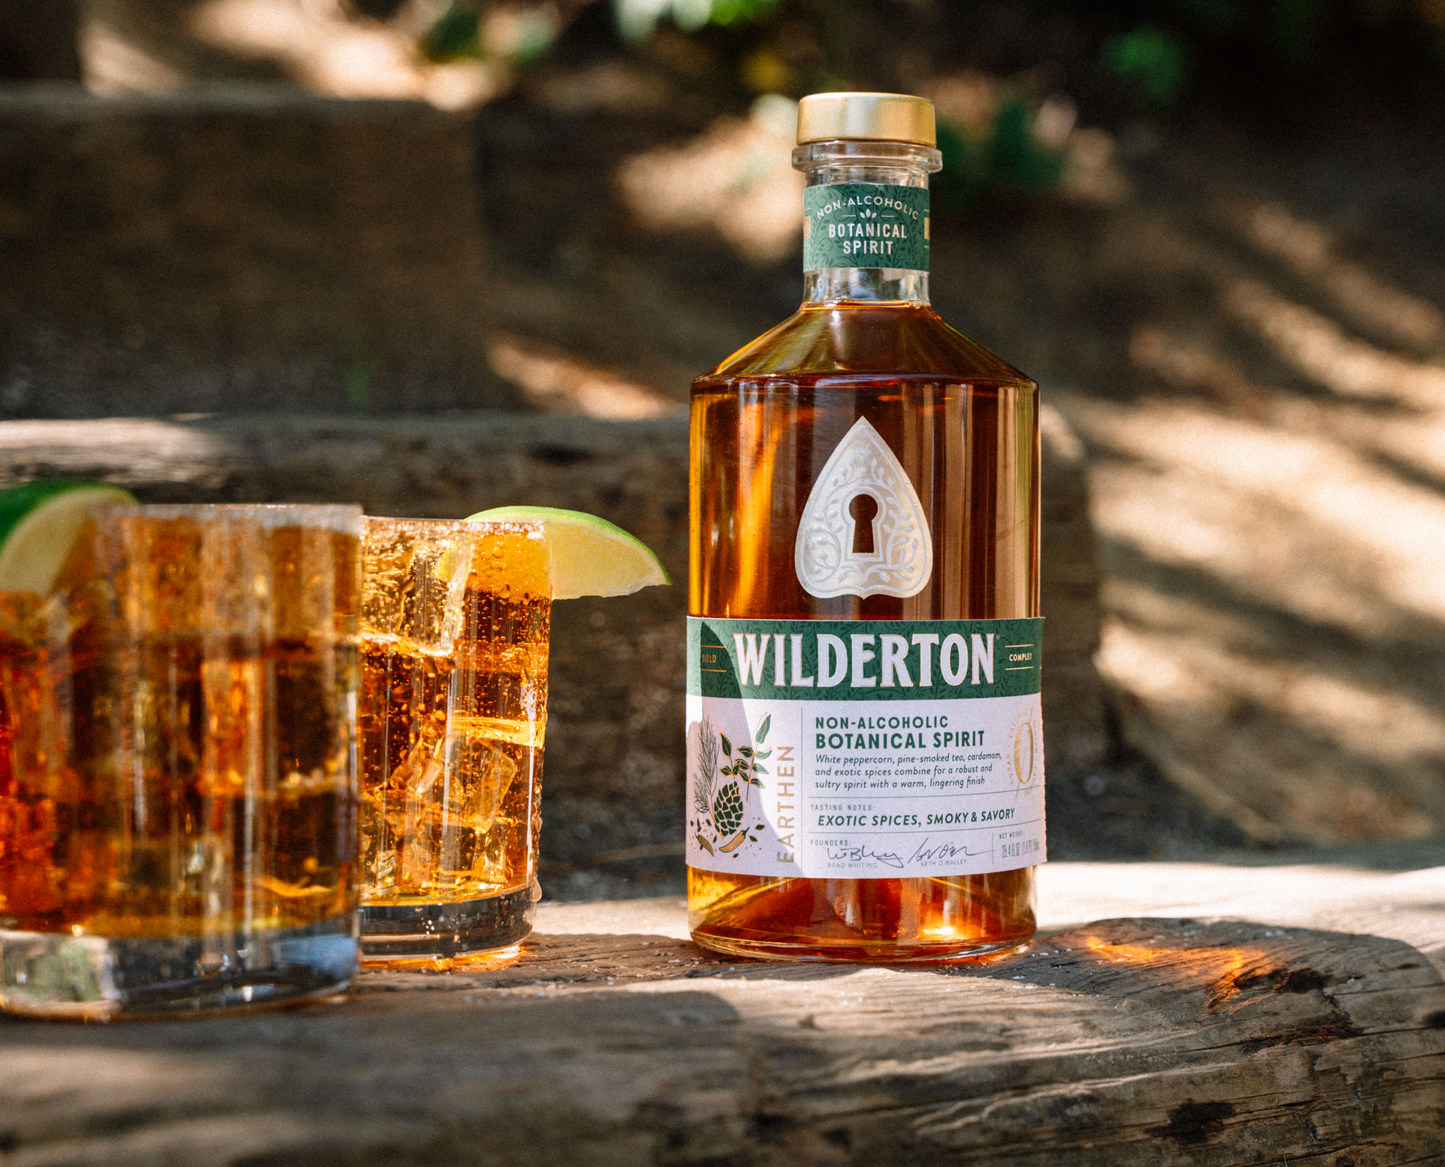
727	809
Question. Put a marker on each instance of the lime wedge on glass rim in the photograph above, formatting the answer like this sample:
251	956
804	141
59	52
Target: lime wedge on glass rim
590	556
39	523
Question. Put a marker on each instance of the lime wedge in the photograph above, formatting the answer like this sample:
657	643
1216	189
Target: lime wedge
39	523
590	556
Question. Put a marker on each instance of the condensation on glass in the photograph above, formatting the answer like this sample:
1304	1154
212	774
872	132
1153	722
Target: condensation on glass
455	619
178	765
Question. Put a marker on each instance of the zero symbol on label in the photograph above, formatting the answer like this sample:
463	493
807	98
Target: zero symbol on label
1024	752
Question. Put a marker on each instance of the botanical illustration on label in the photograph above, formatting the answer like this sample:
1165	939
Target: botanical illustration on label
865	224
722	793
864	748
863	531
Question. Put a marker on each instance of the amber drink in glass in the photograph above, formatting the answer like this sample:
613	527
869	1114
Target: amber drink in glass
178	765
455	618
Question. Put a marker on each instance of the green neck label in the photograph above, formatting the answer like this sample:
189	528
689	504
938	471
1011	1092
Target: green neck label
865	224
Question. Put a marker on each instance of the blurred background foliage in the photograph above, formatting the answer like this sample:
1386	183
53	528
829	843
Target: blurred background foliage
1010	78
1120	58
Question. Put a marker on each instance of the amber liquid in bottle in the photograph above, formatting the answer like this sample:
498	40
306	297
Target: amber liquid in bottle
964	425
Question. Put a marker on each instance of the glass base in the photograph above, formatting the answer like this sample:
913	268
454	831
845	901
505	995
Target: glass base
99	978
442	931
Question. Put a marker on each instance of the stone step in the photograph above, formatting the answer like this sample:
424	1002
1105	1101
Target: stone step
237	247
614	765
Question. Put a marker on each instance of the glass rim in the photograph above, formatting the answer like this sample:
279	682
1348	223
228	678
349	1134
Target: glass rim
344	518
452	526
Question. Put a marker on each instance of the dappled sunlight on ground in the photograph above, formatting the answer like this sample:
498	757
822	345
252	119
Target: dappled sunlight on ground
323	45
554	382
1302	518
1319	348
1309	251
735	180
1271	510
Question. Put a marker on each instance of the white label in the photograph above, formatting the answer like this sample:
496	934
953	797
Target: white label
852	789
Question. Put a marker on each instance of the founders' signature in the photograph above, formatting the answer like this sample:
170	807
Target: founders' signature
939	853
863	854
926	854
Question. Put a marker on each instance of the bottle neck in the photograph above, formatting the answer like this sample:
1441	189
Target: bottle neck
867	245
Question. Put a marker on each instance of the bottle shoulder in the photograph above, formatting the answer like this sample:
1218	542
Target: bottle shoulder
859	338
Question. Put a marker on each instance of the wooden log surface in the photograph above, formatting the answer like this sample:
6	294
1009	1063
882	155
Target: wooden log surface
1170	1013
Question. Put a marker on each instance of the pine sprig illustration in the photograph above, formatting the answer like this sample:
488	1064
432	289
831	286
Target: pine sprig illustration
707	768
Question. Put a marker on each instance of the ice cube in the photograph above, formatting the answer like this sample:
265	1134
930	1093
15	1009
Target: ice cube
451	803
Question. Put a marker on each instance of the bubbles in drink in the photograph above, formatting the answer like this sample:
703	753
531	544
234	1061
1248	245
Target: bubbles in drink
453	709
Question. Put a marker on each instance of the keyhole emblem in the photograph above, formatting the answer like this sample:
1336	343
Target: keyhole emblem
863	509
863	531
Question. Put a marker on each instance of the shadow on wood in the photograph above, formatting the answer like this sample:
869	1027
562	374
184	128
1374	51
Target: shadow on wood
1137	1040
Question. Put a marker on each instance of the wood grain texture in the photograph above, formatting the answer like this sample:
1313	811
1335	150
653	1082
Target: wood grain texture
1145	1040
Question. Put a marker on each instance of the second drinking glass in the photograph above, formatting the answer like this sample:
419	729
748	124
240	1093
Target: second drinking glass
455	619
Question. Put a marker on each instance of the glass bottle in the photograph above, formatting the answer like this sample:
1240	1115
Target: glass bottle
864	466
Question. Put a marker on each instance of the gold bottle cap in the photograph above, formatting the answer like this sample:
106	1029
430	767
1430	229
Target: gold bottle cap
871	117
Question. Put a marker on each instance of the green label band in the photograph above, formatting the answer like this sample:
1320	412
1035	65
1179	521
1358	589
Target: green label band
863	660
865	224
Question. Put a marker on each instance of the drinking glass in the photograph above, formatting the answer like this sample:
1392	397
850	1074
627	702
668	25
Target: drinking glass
454	625
178	765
